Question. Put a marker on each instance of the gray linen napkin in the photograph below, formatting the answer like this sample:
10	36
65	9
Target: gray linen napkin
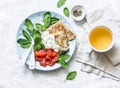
104	64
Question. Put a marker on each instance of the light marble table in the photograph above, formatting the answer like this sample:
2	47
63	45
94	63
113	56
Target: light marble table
12	75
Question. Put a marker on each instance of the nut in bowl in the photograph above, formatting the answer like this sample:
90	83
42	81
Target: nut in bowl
101	39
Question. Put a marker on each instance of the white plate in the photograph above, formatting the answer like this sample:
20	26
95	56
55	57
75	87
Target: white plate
38	18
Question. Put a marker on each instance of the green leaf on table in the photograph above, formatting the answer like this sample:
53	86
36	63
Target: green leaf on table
22	41
47	19
53	20
63	63
60	3
26	35
64	57
29	25
66	12
71	75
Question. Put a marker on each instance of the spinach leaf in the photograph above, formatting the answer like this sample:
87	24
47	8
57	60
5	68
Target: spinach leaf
53	20
42	45
60	3
66	12
64	57
37	37
47	19
38	41
22	41
63	63
26	45
29	25
44	27
26	35
71	75
39	26
37	47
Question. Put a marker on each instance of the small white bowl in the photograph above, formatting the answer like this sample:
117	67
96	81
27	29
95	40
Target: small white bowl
78	13
107	49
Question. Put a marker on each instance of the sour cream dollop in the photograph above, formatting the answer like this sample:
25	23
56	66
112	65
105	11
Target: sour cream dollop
49	41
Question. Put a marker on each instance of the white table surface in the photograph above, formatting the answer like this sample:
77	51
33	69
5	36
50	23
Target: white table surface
12	75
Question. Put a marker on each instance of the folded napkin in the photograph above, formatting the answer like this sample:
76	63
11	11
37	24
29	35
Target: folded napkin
104	64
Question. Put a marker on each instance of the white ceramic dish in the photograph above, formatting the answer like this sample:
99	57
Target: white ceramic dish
111	45
79	10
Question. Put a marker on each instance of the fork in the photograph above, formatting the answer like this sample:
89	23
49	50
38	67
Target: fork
25	57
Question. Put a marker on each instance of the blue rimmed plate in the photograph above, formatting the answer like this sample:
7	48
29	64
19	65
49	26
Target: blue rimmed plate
38	18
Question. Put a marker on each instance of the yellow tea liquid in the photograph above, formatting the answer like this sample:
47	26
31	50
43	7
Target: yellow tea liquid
100	38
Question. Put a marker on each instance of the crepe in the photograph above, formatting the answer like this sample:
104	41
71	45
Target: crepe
62	35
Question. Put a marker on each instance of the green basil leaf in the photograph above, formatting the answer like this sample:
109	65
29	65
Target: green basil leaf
37	37
44	27
64	57
38	41
66	12
42	45
26	35
60	3
71	75
29	25
23	41
40	27
53	20
63	63
47	19
37	47
26	45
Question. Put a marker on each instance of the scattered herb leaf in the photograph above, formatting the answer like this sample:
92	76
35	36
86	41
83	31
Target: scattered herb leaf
60	3
71	75
66	12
